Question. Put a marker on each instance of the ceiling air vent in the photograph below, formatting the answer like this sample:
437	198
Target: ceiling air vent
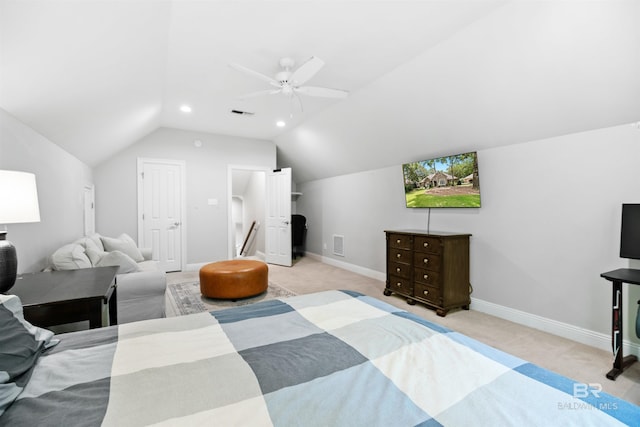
338	245
242	113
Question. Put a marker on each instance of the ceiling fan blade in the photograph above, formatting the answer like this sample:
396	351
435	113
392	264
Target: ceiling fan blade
260	93
297	97
250	72
322	91
306	71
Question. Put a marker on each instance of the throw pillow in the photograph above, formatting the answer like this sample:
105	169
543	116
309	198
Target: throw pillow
95	255
96	238
88	243
21	344
124	244
122	260
70	257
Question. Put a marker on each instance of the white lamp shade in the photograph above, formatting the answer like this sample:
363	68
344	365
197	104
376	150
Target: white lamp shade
18	197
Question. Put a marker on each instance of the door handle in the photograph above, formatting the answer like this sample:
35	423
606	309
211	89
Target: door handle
285	222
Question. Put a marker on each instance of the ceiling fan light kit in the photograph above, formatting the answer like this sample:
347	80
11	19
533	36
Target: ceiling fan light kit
290	83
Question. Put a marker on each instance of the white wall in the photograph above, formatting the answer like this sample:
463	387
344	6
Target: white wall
206	178
60	179
548	226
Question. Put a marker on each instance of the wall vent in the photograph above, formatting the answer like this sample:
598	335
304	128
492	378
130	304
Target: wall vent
338	245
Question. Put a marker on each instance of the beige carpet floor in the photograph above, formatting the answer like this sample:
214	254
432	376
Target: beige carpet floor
577	361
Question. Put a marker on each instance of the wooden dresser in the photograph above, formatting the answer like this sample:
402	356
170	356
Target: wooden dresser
431	268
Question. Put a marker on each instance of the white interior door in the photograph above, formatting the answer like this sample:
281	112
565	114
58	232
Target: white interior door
160	206
278	217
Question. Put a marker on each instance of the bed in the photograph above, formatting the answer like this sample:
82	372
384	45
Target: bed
335	358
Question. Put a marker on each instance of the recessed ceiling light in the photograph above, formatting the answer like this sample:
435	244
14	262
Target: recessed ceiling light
185	108
280	124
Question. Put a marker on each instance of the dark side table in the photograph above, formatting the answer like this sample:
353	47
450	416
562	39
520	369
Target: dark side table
57	297
618	277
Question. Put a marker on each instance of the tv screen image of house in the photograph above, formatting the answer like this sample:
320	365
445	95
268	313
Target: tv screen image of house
443	182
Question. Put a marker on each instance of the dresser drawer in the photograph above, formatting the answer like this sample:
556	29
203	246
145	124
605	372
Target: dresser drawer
428	293
427	277
400	255
400	285
401	241
401	270
427	244
426	260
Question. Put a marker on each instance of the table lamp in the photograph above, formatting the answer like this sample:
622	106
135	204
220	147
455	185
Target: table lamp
18	203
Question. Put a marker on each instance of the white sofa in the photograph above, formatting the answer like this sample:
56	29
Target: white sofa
140	281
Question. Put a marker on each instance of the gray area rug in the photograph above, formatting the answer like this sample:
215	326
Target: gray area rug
185	298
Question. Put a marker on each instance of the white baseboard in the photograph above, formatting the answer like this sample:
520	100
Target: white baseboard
565	330
349	267
195	267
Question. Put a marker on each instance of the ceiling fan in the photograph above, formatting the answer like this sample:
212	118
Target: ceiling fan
290	83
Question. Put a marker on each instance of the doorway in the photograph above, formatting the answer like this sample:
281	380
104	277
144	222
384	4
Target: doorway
246	211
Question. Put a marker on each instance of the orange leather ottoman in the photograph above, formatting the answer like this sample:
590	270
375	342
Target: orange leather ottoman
238	278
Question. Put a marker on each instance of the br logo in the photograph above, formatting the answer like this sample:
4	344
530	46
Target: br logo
581	390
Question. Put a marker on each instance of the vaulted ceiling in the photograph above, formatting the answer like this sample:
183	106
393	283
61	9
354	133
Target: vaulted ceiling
425	77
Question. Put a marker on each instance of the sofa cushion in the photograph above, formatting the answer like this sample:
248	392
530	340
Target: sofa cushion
148	265
117	258
21	344
70	257
123	243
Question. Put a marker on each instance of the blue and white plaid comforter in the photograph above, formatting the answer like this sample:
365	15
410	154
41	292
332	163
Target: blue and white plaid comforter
334	358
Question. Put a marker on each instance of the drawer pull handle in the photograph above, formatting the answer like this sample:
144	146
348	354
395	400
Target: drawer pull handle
398	255
426	276
426	260
426	244
425	292
398	241
398	284
397	269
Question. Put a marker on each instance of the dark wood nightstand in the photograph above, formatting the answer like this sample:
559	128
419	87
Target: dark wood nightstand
57	297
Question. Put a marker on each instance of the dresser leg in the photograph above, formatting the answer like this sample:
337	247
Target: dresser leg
410	301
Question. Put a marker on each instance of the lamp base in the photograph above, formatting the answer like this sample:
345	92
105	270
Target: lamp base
8	264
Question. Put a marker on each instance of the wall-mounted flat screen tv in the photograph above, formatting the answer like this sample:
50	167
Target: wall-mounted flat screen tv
630	231
443	182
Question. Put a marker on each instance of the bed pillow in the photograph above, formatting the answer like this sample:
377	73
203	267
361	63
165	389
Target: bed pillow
125	244
120	259
21	344
70	257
